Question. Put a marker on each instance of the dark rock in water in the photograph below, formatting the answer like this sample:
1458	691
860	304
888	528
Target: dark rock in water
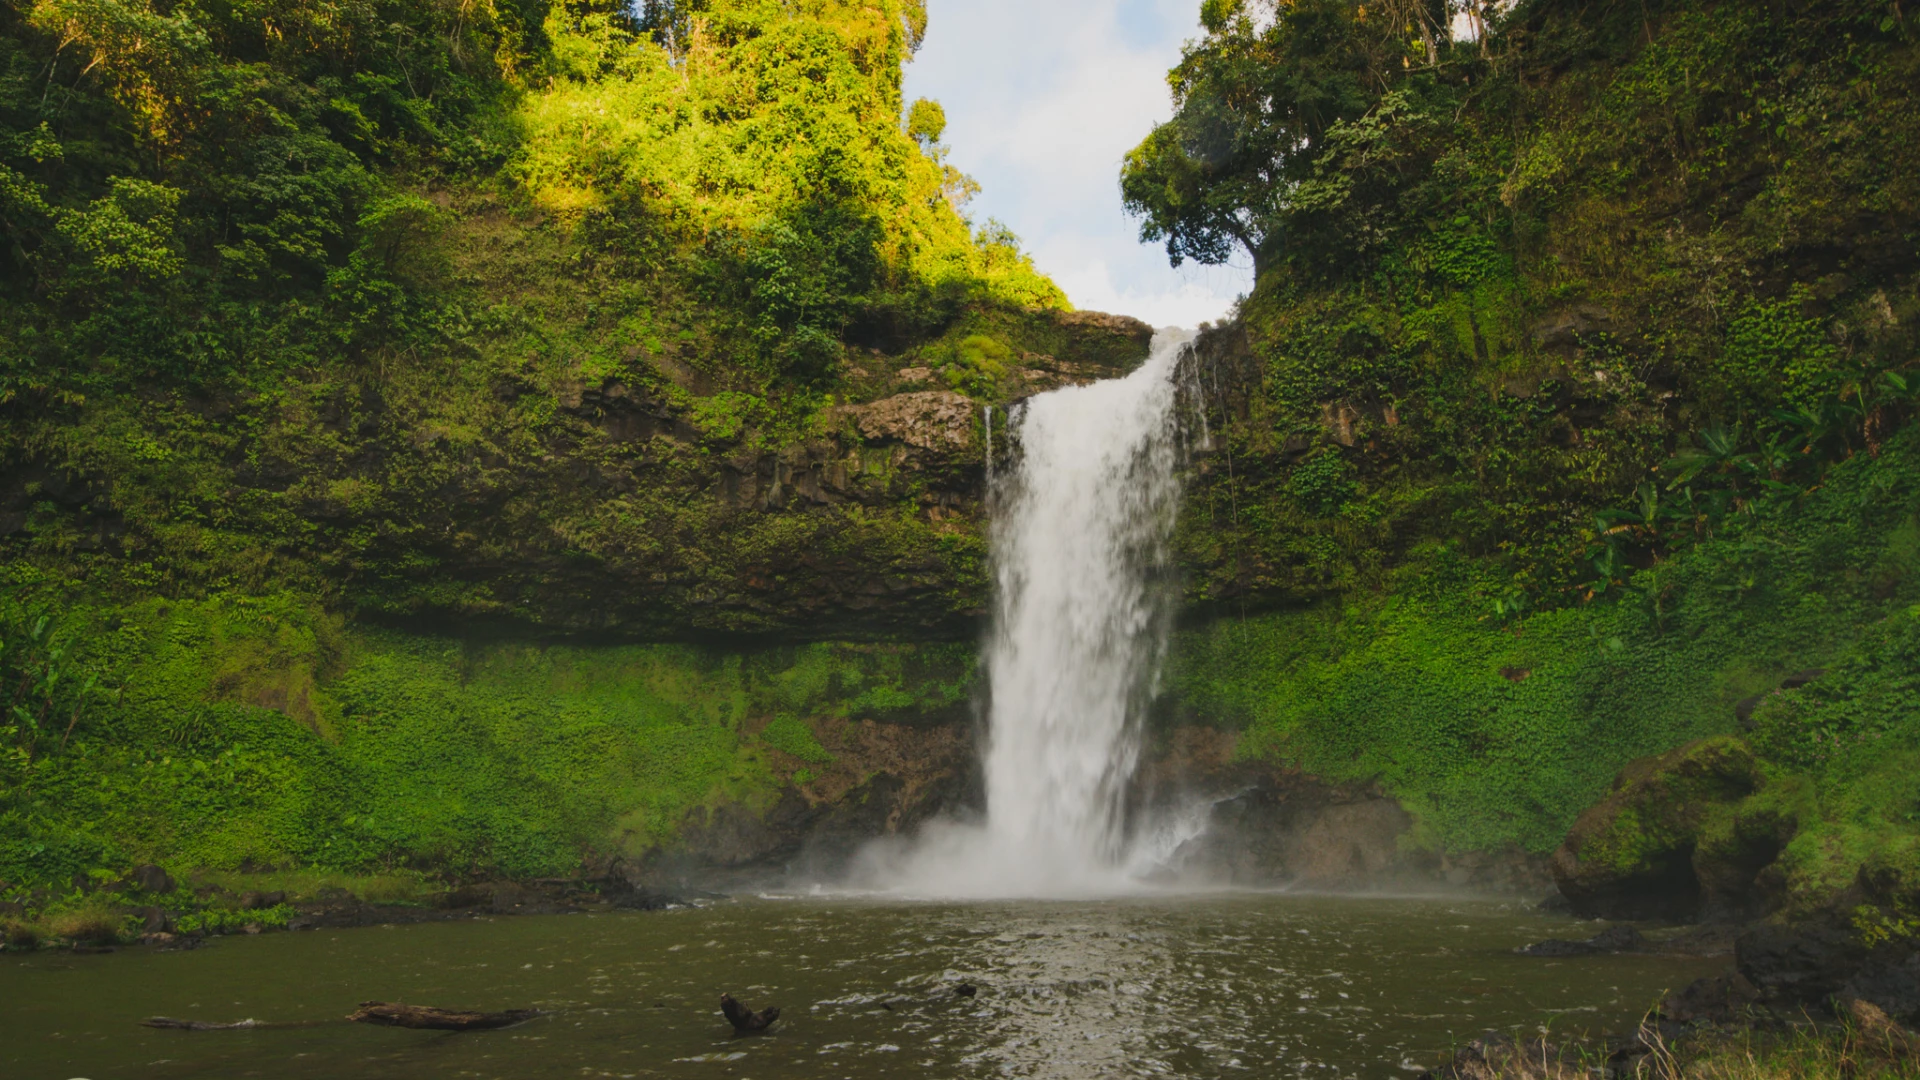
1614	939
965	990
426	1017
625	887
1716	999
1270	825
1631	857
514	899
745	1021
1298	830
646	900
150	879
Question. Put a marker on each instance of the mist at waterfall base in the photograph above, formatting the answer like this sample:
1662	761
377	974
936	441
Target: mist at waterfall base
1082	511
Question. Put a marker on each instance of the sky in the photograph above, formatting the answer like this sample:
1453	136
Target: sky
1043	99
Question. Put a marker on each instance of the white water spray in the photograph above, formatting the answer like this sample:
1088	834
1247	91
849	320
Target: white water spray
1083	510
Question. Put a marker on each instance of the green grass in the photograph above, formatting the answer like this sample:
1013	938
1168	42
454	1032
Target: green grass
403	753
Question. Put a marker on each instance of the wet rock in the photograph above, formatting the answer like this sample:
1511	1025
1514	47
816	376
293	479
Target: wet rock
1631	856
1800	965
1891	983
965	990
626	889
1614	939
516	899
1277	826
1301	832
744	1020
1715	999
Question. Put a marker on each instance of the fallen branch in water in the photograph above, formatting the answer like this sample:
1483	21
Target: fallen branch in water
394	1014
172	1024
744	1020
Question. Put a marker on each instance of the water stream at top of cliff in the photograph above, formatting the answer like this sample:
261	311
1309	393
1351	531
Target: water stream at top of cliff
1082	512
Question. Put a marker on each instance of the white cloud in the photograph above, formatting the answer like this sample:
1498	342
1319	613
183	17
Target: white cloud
1043	101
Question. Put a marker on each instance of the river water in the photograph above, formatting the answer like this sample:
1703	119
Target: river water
1196	986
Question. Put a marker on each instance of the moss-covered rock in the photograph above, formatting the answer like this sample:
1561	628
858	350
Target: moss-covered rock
1632	856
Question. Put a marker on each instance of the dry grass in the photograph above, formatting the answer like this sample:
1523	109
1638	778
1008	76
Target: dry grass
90	924
1865	1046
19	934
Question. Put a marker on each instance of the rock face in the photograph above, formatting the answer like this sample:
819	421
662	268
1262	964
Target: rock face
1269	826
1302	832
653	499
937	420
1639	854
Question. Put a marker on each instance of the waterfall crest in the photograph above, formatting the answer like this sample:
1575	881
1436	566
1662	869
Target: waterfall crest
1082	510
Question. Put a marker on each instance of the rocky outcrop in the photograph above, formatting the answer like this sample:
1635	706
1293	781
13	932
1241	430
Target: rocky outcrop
1267	826
1639	854
937	420
1300	832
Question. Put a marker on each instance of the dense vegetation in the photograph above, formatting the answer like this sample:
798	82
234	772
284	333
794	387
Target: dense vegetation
543	313
1574	404
469	310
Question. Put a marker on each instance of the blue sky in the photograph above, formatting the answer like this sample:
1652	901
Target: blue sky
1043	99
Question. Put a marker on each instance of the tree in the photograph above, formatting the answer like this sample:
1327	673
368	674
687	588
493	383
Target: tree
1254	102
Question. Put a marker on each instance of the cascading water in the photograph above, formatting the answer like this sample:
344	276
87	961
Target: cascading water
1083	510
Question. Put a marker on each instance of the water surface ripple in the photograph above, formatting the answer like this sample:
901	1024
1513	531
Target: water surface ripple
1236	985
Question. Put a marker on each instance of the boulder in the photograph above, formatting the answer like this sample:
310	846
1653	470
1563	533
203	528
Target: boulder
940	421
1716	999
1299	831
1632	856
150	879
1800	965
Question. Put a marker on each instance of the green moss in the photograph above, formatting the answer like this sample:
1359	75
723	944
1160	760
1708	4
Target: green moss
1498	730
789	735
418	752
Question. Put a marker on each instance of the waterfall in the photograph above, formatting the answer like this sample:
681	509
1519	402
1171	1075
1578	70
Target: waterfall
1082	511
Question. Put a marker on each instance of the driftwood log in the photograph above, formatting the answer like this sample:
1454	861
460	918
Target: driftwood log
744	1020
172	1024
394	1014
